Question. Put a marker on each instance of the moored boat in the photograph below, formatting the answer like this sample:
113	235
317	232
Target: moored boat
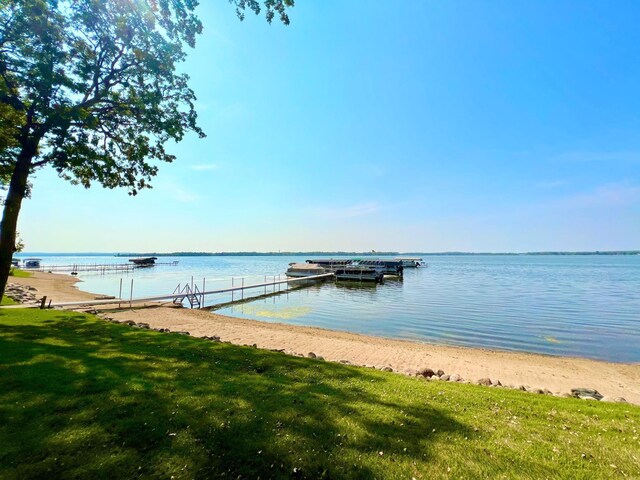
386	267
304	270
144	261
32	262
411	262
330	263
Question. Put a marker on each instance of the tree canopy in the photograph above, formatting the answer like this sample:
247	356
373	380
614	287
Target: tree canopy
90	88
94	83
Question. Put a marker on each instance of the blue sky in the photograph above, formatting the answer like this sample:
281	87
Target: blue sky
404	126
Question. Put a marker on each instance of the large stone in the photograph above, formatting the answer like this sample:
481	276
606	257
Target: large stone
426	372
585	393
311	355
445	377
455	378
484	381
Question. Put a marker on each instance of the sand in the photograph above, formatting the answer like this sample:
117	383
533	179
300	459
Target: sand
60	288
557	374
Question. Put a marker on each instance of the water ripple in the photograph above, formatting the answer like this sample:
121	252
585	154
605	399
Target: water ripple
564	305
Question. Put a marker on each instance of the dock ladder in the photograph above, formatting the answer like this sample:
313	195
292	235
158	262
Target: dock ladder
192	294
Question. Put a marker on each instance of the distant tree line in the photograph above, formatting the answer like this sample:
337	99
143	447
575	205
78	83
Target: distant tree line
362	254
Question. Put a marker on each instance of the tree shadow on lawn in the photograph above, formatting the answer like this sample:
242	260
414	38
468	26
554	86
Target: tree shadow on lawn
83	397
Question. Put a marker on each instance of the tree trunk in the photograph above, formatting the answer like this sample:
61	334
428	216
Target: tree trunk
12	204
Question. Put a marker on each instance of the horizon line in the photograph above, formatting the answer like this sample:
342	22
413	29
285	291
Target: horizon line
332	252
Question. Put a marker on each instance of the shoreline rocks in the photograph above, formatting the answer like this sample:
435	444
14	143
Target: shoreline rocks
586	394
425	374
20	293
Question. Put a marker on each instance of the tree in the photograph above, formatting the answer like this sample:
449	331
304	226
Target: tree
90	88
19	245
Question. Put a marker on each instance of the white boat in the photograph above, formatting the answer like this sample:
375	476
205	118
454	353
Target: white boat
32	262
304	270
411	262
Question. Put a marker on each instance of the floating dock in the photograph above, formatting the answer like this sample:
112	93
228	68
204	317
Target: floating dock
359	274
386	267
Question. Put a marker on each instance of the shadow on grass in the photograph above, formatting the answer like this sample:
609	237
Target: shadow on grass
81	397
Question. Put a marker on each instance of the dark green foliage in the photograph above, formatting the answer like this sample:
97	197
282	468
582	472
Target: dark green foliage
82	398
272	7
95	85
90	88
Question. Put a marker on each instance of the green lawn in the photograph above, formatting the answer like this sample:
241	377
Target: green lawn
16	272
83	398
7	301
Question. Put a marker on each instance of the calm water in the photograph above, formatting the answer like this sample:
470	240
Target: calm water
564	305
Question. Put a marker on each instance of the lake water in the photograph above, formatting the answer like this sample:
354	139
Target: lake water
586	306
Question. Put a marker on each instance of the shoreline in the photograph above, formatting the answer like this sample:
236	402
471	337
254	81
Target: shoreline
60	287
532	370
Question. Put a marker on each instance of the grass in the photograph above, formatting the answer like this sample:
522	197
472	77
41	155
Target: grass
83	398
7	301
16	272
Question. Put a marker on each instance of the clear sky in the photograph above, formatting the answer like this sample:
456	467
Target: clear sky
405	126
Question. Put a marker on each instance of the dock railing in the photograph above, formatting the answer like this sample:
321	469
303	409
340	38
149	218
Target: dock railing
194	291
100	268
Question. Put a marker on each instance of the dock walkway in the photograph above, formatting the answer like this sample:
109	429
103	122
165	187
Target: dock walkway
189	295
101	268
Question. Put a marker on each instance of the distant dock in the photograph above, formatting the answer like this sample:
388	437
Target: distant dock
100	268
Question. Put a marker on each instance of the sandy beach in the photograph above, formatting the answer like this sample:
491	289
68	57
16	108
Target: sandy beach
557	374
60	288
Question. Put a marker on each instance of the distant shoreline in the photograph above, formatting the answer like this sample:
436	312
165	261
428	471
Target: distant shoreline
316	254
